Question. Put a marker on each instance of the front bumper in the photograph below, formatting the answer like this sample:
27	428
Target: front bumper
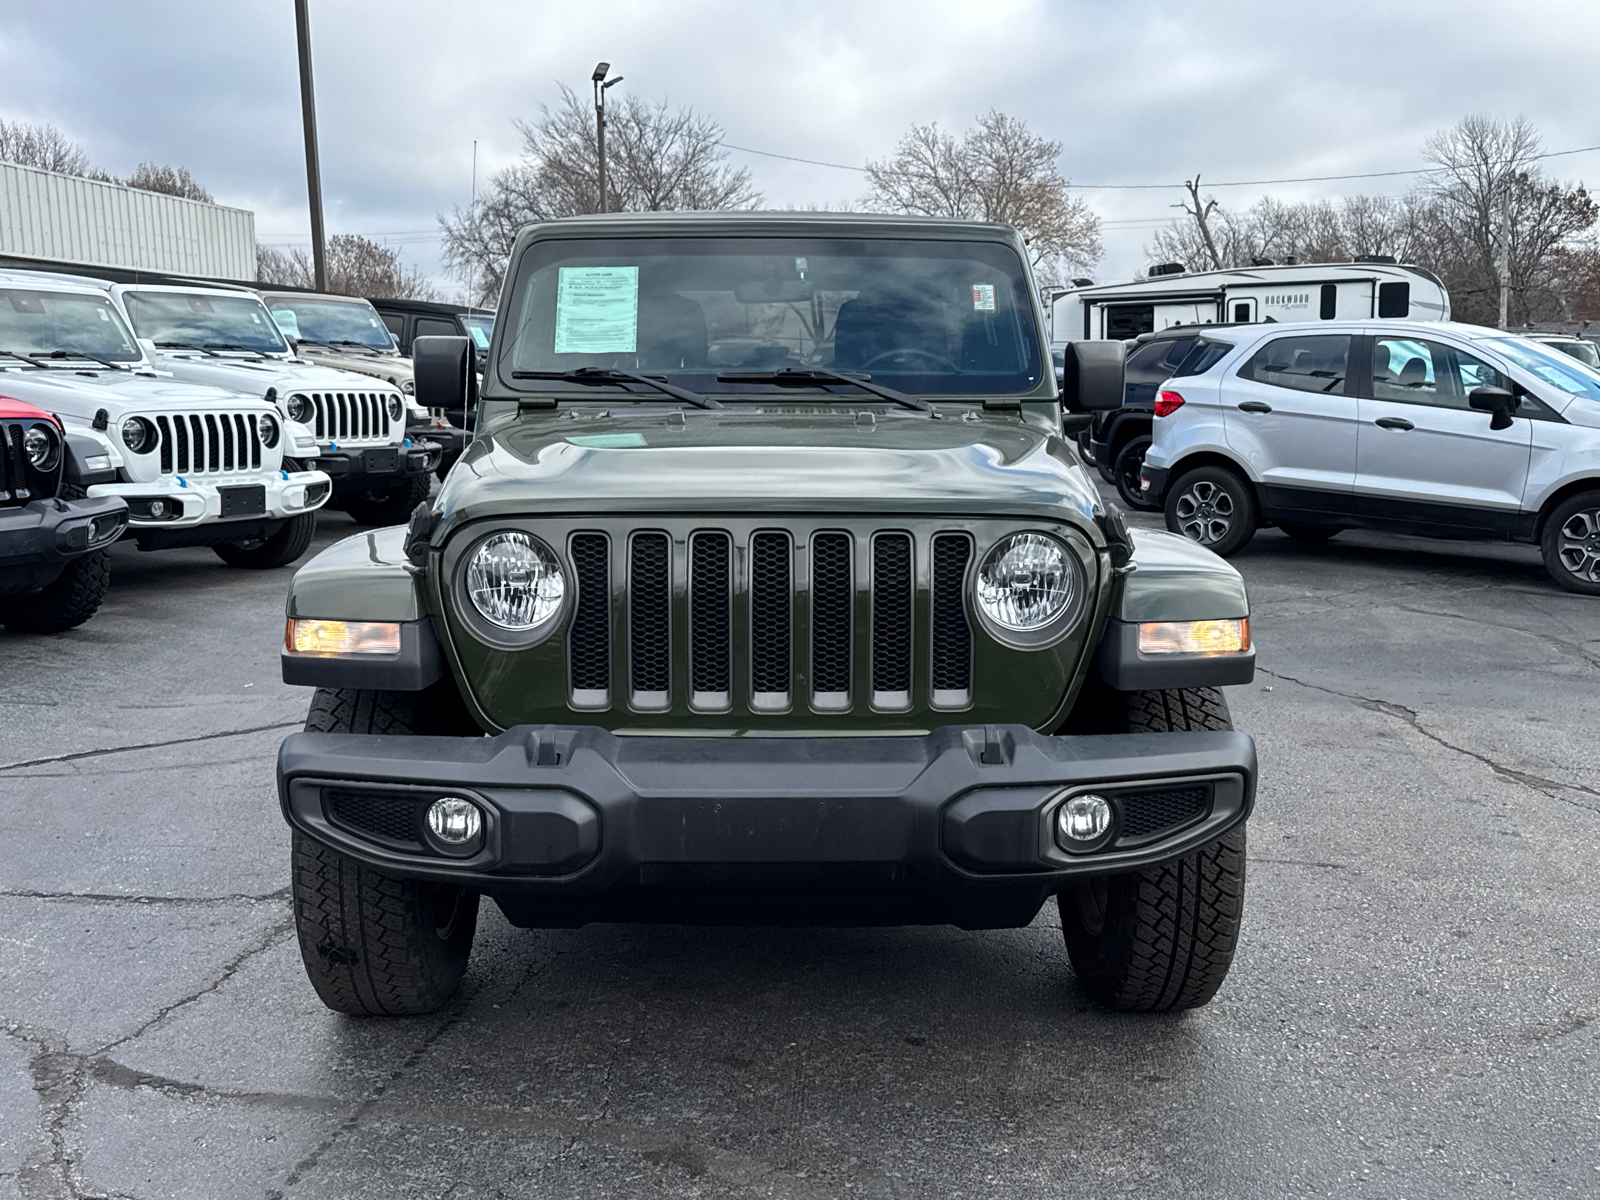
377	468
187	502
37	539
580	824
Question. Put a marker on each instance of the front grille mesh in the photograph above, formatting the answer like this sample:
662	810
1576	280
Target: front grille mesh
650	619
1155	811
212	443
392	817
722	620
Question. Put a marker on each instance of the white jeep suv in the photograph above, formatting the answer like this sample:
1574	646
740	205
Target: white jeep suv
1438	429
198	466
363	432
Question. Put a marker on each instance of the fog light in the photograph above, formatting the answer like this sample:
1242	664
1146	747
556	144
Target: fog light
158	508
454	821
1195	637
1082	821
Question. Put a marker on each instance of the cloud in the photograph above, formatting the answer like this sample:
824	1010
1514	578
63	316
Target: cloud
1135	91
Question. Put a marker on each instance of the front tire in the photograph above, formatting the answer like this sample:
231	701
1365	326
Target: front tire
66	602
391	507
277	550
1214	507
1161	938
1571	544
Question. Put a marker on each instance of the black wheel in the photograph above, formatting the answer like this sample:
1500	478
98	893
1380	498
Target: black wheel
1214	507
391	507
1162	938
375	945
276	550
65	603
1571	544
1309	533
1125	474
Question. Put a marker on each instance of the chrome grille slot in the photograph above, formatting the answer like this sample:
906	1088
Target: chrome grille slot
951	660
710	621
832	601
589	648
892	593
650	620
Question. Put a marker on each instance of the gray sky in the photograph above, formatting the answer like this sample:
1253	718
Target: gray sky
1136	92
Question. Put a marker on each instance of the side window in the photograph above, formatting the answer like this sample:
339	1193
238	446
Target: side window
1177	350
1414	371
1202	358
434	327
1394	299
1306	364
396	323
1145	363
1328	302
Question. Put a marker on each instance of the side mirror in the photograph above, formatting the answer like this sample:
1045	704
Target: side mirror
444	371
1092	376
1497	401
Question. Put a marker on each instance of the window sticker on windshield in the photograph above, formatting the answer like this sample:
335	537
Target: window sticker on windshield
597	310
608	441
983	297
479	338
286	322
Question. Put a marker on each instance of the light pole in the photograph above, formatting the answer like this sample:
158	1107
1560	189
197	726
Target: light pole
601	83
308	111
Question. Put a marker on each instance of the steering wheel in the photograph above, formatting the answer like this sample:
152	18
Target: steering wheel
939	361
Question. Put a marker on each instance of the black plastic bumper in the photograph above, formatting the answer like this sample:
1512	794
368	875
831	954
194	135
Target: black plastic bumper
1154	481
37	539
378	469
580	824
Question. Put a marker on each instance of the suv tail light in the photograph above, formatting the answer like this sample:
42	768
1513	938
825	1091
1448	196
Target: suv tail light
1168	403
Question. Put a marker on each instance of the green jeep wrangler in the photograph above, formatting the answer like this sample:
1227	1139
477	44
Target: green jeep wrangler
770	589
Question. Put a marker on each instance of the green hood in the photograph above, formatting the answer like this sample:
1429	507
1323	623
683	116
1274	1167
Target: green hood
768	458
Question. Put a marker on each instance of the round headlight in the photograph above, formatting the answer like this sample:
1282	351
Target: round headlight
267	431
409	387
138	435
39	444
300	409
395	408
1026	582
514	581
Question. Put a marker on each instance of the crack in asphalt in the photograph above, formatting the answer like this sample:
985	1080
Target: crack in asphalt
183	741
1500	628
1549	788
163	901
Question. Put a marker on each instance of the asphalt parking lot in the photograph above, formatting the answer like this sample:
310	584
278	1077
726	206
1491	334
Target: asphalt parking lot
1412	1012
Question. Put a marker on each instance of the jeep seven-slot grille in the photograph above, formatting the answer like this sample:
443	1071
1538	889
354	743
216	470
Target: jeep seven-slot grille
14	484
350	416
720	612
209	443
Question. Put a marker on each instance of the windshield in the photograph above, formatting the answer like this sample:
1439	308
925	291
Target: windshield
1585	352
330	321
1551	366
221	321
479	329
38	322
929	317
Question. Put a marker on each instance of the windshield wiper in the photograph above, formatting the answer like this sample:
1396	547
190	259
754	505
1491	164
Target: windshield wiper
184	346
230	346
24	359
801	376
105	362
371	349
604	375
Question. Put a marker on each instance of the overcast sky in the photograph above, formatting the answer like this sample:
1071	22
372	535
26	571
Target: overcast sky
1134	92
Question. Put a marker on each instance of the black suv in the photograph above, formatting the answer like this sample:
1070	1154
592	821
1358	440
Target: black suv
1118	439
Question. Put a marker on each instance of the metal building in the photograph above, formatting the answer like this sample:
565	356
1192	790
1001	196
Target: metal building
53	220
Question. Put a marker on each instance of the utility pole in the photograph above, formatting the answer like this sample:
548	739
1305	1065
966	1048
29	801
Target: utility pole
601	85
1505	251
472	271
308	110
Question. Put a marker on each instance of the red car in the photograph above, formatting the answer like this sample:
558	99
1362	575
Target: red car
54	569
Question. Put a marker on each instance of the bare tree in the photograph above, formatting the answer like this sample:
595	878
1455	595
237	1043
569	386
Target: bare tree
42	146
357	266
998	171
172	181
657	158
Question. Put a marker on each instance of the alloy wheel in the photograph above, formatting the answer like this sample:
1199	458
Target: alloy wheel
1579	545
1205	512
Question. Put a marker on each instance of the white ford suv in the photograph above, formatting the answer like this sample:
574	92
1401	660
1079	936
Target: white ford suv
198	466
1438	429
364	437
